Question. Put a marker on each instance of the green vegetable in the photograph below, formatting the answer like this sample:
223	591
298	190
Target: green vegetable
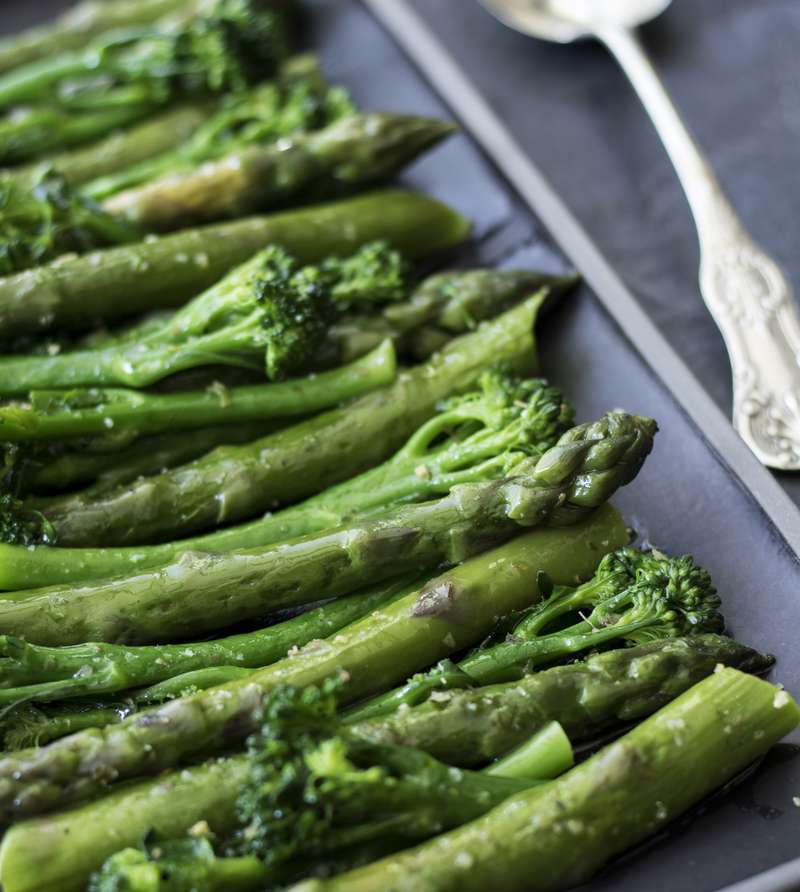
124	75
297	101
164	272
478	436
349	154
58	852
46	673
46	219
266	314
312	793
237	482
202	592
634	597
78	24
470	726
154	136
560	835
450	613
82	413
148	455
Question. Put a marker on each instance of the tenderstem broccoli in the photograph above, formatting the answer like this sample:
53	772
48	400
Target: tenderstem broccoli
478	436
297	101
125	75
269	313
41	221
634	597
55	414
315	799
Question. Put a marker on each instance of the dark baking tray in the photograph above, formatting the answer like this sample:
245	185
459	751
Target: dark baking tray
701	491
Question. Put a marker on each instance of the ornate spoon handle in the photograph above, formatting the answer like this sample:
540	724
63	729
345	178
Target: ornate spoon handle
744	289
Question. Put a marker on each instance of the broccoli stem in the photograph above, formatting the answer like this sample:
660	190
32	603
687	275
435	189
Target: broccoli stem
450	613
420	470
346	155
31	672
74	294
540	839
79	24
237	482
58	414
58	852
201	592
547	754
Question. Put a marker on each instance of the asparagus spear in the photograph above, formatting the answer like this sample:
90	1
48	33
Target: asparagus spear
154	136
124	75
471	726
202	592
164	272
466	728
110	668
559	835
237	482
55	414
348	154
448	614
298	101
634	597
479	436
148	455
78	24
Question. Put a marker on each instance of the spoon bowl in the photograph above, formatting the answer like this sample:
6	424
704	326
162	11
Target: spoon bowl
565	21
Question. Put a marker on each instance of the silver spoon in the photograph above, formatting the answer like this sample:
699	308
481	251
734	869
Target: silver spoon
744	289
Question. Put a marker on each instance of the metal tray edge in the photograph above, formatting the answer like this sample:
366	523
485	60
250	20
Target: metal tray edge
454	86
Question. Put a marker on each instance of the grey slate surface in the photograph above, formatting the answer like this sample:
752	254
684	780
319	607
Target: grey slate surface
734	70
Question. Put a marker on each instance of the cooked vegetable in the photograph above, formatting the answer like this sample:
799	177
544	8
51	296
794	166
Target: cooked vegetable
472	725
78	24
54	673
126	280
269	313
201	592
477	436
45	219
297	101
559	835
237	482
465	728
316	796
54	414
351	153
121	76
634	597
449	613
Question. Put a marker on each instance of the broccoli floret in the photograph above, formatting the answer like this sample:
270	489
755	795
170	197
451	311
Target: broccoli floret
316	791
299	304
633	598
48	219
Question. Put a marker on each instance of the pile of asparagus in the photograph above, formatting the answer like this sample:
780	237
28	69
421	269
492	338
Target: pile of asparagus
307	578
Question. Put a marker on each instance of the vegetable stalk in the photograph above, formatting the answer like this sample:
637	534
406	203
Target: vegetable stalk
163	272
450	613
58	852
558	836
